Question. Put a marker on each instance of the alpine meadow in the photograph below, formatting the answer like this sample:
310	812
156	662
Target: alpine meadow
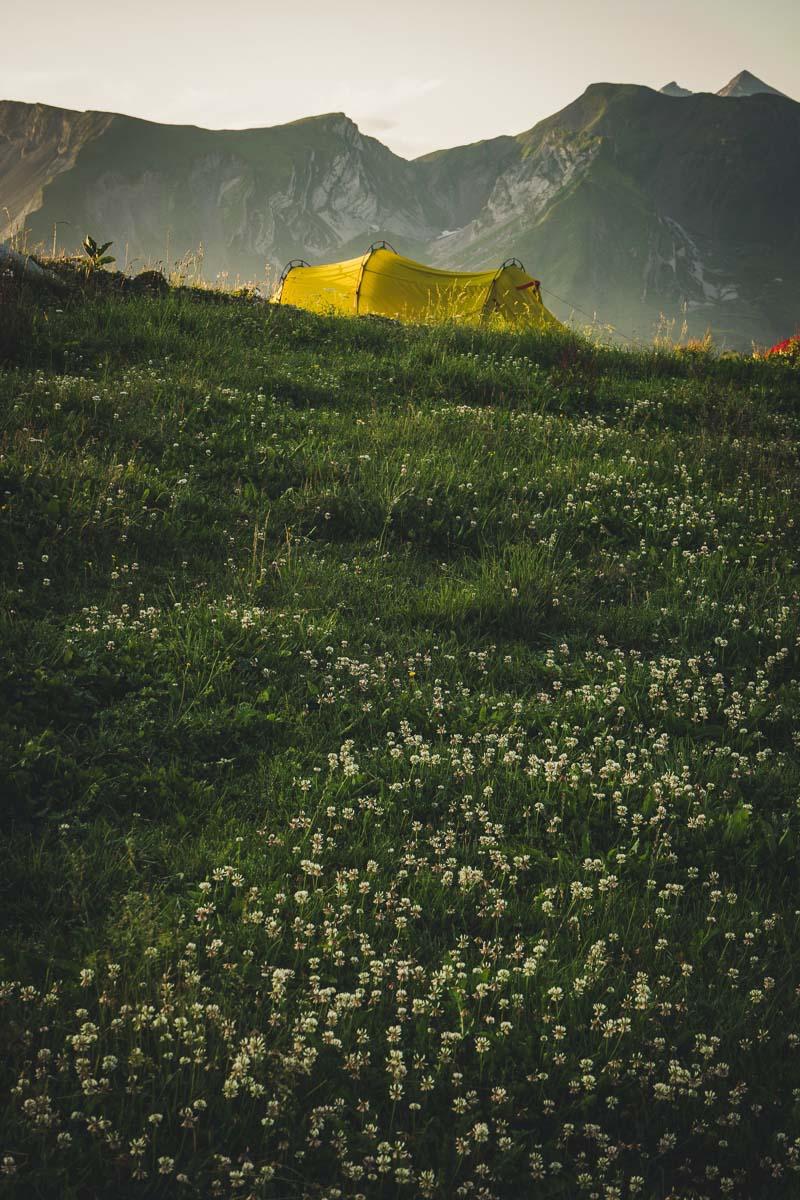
402	777
400	601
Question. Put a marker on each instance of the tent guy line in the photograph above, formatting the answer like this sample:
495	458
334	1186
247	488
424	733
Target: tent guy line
633	341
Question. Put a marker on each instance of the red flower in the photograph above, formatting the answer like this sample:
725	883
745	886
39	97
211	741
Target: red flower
789	346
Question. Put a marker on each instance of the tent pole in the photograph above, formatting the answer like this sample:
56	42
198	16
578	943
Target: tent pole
491	299
364	262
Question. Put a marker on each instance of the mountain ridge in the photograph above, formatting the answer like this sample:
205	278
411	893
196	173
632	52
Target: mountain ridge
689	221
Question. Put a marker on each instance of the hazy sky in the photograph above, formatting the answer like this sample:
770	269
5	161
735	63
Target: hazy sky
418	74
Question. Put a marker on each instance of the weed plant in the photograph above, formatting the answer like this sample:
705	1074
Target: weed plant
399	731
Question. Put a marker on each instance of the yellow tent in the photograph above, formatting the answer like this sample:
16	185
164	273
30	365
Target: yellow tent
384	283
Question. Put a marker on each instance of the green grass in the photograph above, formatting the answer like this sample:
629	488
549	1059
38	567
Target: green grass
400	755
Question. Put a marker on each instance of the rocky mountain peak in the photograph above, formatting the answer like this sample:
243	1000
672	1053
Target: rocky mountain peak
342	126
674	89
747	84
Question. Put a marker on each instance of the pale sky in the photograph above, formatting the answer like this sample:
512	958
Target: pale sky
418	74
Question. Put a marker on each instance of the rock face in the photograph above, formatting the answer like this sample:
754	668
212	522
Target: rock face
627	203
674	89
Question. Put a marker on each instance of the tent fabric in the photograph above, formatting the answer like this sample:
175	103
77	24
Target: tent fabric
386	284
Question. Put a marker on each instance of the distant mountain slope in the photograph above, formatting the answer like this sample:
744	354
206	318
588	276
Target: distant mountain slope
38	143
247	196
629	203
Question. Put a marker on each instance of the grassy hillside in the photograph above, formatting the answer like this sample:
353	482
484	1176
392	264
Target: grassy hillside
401	769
